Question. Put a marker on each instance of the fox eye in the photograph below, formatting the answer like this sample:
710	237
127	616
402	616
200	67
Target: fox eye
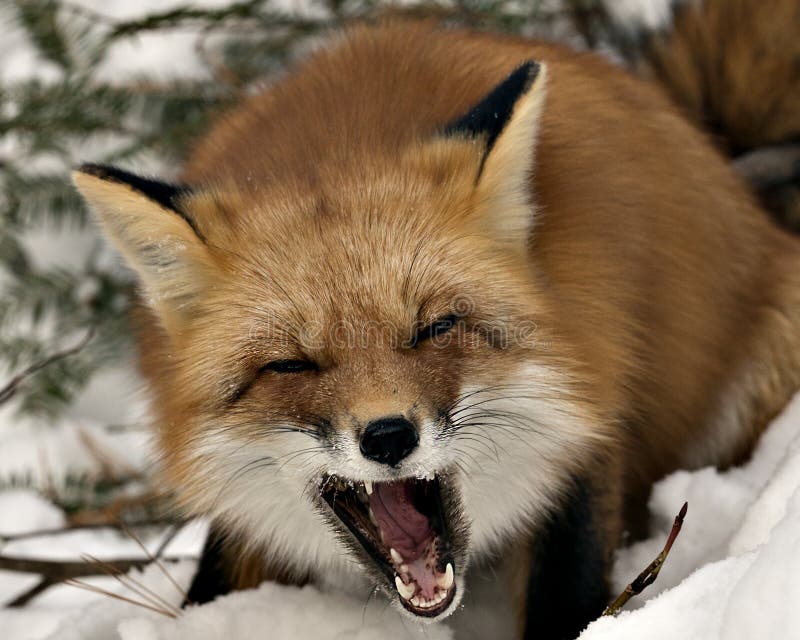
289	366
437	328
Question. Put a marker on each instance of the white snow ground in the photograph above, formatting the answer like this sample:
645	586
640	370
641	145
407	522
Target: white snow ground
732	573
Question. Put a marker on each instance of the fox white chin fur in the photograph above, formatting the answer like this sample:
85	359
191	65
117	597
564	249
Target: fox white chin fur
443	302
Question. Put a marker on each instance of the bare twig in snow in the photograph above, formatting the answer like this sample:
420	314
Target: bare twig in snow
57	571
24	598
649	575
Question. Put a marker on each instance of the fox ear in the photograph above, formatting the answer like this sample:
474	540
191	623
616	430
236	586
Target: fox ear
508	121
148	224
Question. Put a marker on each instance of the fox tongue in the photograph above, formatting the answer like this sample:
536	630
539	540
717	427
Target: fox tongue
402	526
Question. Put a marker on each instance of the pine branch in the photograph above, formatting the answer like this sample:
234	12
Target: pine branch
40	20
88	14
649	575
9	390
188	14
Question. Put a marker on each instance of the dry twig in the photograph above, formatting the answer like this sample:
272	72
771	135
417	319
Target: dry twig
54	572
649	575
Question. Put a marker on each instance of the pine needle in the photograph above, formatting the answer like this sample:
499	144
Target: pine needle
156	560
131	583
80	584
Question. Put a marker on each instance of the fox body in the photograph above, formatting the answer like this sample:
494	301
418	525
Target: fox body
440	302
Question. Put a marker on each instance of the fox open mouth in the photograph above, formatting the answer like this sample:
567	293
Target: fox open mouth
401	525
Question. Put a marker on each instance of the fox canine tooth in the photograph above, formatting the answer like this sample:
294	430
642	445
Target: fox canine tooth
396	557
405	590
368	487
445	581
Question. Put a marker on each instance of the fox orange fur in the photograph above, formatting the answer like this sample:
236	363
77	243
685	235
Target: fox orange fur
453	298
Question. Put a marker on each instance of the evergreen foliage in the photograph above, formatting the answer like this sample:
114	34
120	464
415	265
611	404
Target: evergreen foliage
51	121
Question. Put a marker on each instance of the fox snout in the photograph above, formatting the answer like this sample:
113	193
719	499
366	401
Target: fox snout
389	440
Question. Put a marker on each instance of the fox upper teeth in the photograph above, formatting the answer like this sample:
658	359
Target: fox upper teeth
368	487
396	557
445	581
405	590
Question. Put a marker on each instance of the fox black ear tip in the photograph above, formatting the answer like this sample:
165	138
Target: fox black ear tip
532	69
91	169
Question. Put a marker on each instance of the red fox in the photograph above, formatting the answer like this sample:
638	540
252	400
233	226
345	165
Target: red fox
444	304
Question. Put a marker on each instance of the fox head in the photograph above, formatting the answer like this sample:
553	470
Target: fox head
358	367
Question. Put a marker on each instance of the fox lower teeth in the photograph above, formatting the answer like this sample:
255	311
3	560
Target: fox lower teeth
423	603
409	590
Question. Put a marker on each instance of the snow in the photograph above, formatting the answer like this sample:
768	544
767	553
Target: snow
43	454
288	613
101	619
25	510
740	547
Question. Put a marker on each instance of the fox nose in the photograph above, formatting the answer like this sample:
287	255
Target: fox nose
389	440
